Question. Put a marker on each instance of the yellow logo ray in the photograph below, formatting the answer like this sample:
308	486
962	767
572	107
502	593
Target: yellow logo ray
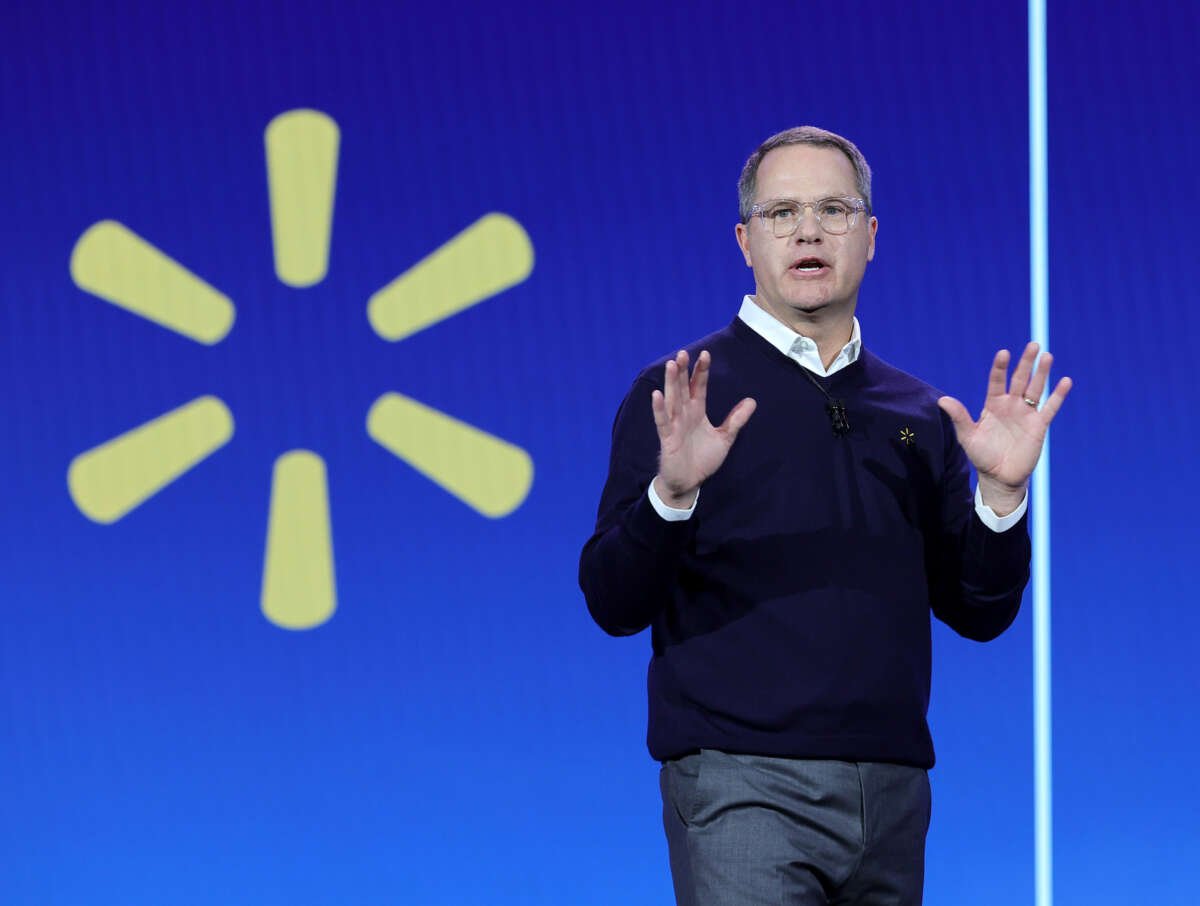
488	474
113	262
490	255
108	481
298	590
302	158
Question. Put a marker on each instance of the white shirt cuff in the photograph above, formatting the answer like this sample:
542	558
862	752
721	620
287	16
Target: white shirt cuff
986	515
994	522
670	513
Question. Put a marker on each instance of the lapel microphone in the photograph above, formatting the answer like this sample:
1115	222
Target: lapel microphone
835	409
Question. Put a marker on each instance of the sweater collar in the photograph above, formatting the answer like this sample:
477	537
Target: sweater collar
797	347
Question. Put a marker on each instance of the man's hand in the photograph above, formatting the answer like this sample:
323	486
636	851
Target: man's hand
691	449
1004	445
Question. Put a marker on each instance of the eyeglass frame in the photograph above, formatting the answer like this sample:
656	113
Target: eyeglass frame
857	206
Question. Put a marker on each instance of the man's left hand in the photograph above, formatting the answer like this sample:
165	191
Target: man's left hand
1004	445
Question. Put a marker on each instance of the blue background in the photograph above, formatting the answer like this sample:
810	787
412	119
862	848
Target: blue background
461	732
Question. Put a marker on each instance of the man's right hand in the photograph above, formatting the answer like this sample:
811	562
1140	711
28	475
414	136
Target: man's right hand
690	448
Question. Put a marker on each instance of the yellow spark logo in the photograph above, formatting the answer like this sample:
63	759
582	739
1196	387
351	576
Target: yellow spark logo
486	473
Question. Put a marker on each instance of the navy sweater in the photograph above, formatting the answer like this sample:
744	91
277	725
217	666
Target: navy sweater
790	616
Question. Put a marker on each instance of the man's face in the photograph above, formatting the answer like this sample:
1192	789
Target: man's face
786	283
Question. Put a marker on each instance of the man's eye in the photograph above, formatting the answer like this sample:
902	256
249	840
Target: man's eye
783	213
834	208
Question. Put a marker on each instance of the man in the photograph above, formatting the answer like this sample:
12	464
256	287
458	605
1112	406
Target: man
788	578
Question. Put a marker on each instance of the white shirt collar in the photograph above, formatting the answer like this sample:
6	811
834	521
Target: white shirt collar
797	347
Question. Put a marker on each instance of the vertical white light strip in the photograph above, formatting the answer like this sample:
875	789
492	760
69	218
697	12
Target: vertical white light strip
1040	330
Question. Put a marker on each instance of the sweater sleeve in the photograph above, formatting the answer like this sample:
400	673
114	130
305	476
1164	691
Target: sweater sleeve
628	567
977	575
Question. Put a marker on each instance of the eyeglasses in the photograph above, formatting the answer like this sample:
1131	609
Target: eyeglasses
835	215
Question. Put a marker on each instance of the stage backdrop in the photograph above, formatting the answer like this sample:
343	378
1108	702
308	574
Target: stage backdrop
313	321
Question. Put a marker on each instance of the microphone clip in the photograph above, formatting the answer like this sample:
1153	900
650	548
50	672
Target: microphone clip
836	410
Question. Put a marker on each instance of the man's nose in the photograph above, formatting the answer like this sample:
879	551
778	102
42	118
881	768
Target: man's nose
808	230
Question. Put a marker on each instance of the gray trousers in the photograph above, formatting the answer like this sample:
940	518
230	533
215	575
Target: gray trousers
747	830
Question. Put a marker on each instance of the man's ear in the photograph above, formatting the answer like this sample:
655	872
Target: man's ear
743	241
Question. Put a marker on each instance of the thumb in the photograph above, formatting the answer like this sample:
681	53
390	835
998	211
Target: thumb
958	413
737	418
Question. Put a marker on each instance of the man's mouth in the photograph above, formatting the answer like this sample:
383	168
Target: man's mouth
809	265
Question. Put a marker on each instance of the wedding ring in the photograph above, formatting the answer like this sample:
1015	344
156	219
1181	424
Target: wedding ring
1029	402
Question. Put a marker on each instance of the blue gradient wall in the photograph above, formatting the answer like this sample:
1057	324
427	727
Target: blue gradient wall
459	732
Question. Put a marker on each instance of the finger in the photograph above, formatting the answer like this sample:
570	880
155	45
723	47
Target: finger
1055	400
737	418
1037	384
675	383
699	385
997	377
681	380
669	383
658	406
1020	378
959	416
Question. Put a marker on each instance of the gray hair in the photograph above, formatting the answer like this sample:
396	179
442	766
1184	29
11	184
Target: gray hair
802	135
